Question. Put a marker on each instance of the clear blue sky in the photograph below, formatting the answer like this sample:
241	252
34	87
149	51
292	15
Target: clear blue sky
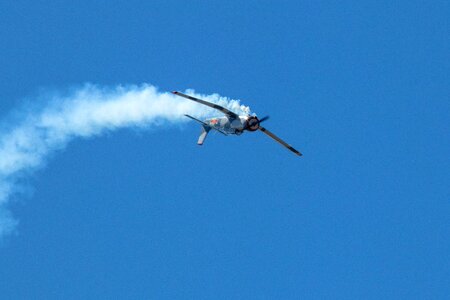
360	87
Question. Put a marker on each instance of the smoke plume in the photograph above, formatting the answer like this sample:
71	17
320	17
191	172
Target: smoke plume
29	135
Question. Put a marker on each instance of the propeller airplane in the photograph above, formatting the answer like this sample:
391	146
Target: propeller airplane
232	123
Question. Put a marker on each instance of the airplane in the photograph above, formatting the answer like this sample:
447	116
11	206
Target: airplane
232	123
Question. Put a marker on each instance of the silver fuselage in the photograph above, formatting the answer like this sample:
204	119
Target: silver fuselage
228	125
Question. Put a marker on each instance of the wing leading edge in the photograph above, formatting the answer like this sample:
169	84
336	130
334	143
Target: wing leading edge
212	105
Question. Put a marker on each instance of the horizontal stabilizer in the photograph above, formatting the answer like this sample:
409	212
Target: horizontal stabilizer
201	122
204	124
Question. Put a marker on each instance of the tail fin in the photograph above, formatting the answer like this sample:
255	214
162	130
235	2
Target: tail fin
202	137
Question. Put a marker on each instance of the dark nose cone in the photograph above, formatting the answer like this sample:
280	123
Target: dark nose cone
253	124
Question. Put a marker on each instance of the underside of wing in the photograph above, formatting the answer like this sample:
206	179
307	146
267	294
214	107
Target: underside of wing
264	130
212	105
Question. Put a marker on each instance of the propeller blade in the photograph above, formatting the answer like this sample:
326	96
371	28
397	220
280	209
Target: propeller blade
270	134
264	119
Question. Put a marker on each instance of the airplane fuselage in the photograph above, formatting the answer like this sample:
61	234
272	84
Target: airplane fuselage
231	125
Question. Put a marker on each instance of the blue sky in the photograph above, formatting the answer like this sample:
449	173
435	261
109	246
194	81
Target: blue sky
360	87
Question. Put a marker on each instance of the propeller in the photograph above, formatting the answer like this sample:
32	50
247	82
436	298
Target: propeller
264	119
253	122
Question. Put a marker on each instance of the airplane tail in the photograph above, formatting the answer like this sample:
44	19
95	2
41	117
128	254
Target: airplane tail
202	137
205	129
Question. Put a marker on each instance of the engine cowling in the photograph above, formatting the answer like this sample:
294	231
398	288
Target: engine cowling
252	123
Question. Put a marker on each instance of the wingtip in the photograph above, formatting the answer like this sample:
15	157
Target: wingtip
296	152
174	92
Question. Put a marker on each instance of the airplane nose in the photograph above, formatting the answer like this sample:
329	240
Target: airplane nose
252	124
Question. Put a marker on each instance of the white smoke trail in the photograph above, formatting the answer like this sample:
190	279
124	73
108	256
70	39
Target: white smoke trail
26	142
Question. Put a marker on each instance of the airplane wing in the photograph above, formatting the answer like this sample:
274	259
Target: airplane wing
218	107
279	140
